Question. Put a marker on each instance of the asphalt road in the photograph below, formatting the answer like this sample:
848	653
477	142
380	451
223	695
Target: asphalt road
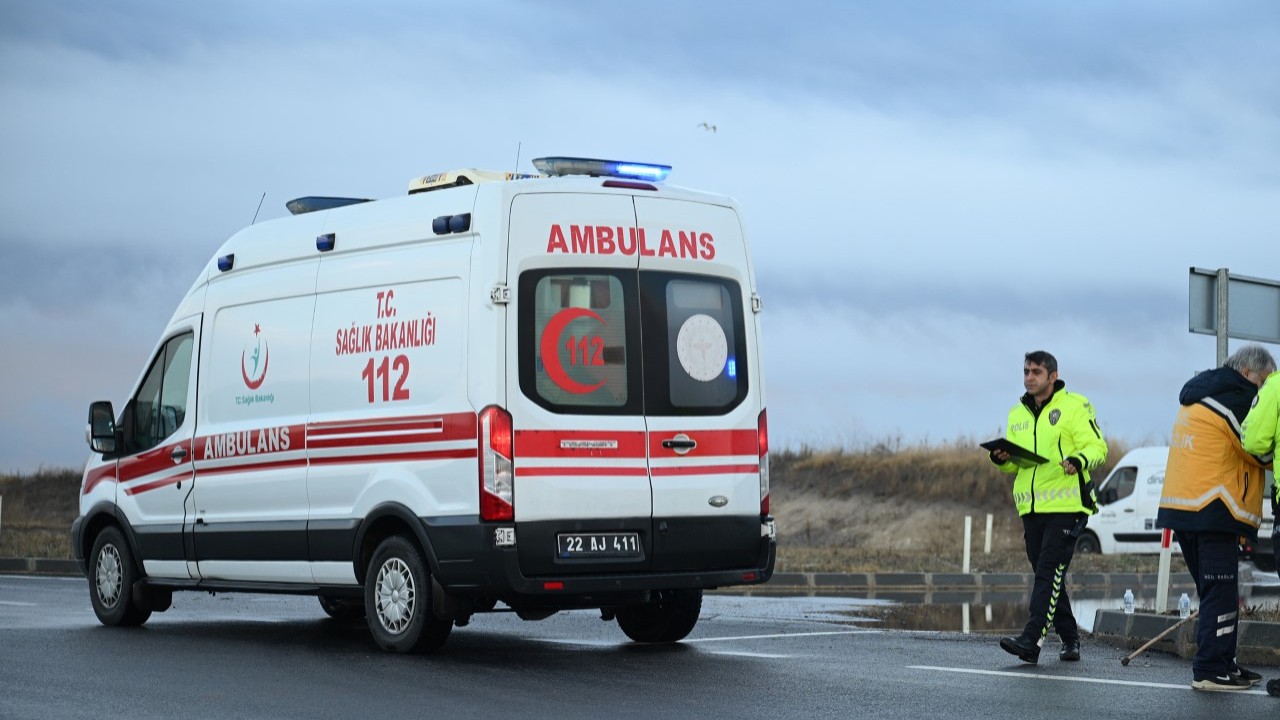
256	656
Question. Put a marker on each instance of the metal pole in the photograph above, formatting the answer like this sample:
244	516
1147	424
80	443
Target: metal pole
1222	324
986	548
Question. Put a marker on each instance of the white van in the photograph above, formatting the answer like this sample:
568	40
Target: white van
543	391
1129	499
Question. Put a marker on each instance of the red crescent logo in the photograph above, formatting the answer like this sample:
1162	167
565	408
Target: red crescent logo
266	359
549	348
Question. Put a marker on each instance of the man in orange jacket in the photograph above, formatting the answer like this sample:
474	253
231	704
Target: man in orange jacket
1212	496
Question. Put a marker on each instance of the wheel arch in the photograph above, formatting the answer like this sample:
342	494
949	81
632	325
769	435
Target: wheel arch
383	521
100	516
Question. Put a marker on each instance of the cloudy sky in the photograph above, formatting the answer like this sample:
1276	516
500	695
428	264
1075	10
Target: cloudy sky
931	188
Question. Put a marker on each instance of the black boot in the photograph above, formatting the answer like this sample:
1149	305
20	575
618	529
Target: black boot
1070	650
1024	647
1273	687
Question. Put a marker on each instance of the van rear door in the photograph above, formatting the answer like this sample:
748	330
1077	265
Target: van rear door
703	397
582	500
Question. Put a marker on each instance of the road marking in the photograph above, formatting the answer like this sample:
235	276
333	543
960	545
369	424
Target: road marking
782	635
15	603
1099	681
610	643
750	654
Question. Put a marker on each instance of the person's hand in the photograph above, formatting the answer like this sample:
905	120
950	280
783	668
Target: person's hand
1070	465
1001	456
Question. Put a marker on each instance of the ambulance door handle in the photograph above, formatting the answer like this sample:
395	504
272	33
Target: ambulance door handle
680	443
178	454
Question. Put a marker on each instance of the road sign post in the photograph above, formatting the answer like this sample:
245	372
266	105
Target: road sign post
1237	306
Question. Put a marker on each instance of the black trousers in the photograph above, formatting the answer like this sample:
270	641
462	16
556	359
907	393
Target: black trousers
1051	543
1213	560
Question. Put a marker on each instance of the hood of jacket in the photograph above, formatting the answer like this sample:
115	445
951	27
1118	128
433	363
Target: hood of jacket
1225	386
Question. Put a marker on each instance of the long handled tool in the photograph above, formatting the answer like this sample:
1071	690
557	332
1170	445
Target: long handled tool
1125	660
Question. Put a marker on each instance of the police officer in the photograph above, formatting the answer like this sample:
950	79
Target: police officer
1054	498
1212	496
1261	438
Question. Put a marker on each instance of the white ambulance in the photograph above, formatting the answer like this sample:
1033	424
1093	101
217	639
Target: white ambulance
543	391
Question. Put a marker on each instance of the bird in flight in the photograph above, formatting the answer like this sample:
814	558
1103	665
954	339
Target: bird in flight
705	126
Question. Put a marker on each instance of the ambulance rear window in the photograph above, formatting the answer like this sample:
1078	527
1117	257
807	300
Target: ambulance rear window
617	342
577	338
695	346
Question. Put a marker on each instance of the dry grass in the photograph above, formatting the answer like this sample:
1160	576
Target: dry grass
37	512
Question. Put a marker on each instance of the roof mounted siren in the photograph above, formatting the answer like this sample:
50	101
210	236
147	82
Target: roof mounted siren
560	166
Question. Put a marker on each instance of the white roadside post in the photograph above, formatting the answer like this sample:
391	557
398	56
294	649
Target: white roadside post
986	547
1162	580
968	531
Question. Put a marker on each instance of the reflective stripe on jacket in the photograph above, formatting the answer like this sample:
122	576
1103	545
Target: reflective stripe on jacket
1065	427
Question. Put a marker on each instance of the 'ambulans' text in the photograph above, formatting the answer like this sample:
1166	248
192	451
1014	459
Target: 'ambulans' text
620	240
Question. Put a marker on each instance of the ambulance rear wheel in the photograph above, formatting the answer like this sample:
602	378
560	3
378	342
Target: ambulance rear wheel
397	600
112	574
669	619
1087	544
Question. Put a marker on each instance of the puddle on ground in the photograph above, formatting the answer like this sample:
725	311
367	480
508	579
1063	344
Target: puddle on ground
1006	612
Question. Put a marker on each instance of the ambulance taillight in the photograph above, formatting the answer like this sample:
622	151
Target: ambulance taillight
496	445
763	437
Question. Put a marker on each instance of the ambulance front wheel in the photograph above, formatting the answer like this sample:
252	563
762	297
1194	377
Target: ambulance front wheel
112	574
668	619
397	600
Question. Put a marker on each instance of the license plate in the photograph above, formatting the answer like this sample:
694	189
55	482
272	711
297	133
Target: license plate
599	545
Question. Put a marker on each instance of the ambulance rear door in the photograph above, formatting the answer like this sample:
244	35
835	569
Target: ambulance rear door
703	397
582	499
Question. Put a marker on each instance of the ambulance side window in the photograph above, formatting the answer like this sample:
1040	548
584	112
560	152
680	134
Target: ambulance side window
160	407
695	344
579	339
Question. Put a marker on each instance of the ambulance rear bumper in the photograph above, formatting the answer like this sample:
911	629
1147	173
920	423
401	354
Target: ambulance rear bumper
470	562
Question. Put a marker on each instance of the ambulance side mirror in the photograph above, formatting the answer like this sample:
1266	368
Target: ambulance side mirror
101	432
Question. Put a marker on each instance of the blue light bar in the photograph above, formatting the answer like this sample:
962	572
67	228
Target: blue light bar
560	166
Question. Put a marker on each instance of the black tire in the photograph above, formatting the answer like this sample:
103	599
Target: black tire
112	575
342	608
397	600
670	619
1087	544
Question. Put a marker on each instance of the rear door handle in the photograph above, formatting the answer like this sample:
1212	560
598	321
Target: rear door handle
680	443
179	453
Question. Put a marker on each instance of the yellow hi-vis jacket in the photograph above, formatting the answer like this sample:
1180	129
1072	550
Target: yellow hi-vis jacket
1262	426
1065	427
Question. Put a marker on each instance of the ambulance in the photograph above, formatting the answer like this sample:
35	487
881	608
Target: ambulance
499	392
